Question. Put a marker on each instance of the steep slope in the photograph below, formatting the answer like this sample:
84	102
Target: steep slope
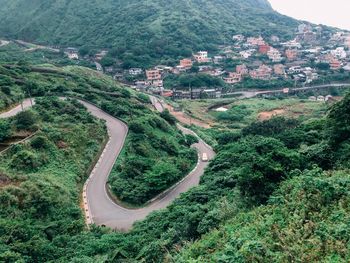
145	28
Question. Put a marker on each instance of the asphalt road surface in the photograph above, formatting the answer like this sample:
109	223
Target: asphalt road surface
26	104
100	207
106	212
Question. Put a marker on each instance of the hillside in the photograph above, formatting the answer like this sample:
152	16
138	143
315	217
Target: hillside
140	31
277	190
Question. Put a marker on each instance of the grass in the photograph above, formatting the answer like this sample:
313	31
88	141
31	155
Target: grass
242	113
294	107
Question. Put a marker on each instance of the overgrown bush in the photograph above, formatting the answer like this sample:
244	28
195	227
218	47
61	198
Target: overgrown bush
26	160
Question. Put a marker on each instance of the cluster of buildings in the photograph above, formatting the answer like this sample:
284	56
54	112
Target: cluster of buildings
268	59
253	57
272	59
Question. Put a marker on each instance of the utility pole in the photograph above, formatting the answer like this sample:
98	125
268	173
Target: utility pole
30	97
22	104
190	88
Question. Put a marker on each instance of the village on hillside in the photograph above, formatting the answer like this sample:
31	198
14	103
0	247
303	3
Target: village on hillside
301	61
315	54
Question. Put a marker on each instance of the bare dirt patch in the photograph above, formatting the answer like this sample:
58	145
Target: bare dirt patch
4	180
185	119
266	115
62	145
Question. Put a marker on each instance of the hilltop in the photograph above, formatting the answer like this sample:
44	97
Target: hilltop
141	31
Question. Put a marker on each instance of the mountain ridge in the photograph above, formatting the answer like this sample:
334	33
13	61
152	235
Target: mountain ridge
143	29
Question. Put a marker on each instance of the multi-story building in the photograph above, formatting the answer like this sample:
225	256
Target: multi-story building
347	40
186	63
233	78
210	94
304	28
292	44
247	53
339	53
238	38
310	74
275	39
101	55
157	83
72	53
201	57
218	59
274	55
279	69
335	64
255	41
263	49
291	54
180	95
242	69
135	71
153	74
263	73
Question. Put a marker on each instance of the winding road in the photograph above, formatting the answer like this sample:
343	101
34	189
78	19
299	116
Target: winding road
99	208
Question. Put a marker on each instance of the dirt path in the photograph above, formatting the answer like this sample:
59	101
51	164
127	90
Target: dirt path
266	115
185	119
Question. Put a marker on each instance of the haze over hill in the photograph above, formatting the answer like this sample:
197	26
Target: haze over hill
141	30
319	15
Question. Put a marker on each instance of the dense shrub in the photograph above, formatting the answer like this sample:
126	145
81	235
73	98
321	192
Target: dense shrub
39	142
5	129
25	161
25	120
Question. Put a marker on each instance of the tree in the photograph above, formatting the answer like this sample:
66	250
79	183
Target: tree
338	121
323	66
83	51
5	129
270	127
25	160
25	120
6	90
161	175
107	61
168	117
191	139
39	142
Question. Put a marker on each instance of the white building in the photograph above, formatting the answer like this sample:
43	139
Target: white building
73	55
255	41
274	55
247	53
339	53
238	38
201	57
135	71
292	44
347	67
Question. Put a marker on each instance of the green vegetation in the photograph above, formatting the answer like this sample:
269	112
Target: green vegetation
241	113
313	197
306	220
160	31
152	139
40	196
14	53
156	157
277	190
186	81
